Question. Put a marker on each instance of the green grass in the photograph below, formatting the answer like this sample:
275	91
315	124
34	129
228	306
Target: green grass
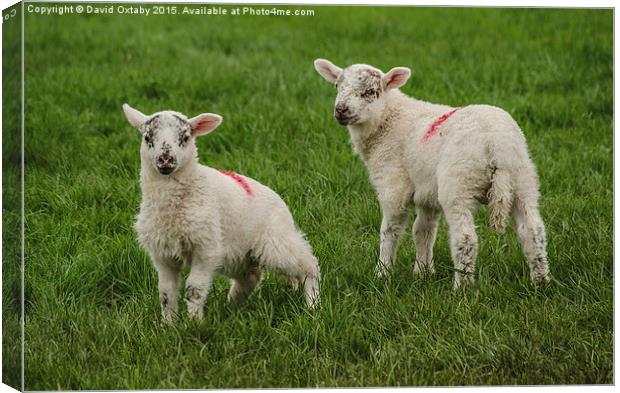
11	200
92	313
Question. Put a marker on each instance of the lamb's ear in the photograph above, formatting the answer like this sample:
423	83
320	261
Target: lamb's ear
204	123
327	69
396	77
135	117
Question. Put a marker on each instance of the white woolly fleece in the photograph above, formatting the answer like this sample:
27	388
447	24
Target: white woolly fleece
212	222
435	158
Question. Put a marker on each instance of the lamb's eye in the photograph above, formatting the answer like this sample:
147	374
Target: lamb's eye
185	138
147	139
369	93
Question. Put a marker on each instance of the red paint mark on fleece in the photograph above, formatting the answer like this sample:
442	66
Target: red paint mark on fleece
432	130
240	180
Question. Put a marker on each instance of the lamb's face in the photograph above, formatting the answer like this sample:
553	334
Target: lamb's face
361	89
168	138
167	141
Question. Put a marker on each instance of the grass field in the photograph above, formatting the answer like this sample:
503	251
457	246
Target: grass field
92	314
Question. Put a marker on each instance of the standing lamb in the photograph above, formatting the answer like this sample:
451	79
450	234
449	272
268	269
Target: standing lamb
438	158
210	220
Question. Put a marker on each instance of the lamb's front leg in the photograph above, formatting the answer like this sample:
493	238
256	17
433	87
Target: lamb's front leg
199	282
424	234
392	229
168	273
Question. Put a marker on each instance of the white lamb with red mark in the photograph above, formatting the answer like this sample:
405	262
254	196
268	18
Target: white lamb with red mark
212	221
438	158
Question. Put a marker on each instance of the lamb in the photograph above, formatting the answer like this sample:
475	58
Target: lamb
438	158
213	221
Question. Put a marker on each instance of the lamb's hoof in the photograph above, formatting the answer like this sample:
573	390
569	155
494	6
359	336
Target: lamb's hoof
312	300
381	271
541	279
313	305
195	311
423	269
168	317
461	280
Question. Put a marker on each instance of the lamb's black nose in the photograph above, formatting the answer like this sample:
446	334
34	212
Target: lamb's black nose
165	160
341	109
166	164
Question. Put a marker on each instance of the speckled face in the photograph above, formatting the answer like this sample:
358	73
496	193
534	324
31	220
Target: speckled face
359	87
167	141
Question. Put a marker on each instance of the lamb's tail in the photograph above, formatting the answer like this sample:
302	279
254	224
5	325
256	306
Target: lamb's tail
500	196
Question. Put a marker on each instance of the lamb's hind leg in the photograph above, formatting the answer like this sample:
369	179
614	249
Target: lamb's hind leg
242	287
458	209
531	232
463	244
290	254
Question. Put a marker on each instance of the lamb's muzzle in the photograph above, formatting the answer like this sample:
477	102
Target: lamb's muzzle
342	114
166	164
